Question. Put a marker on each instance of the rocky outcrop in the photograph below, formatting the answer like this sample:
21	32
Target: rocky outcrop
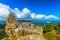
23	31
31	37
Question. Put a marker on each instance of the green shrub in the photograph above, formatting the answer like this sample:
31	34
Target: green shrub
49	35
2	33
48	27
57	27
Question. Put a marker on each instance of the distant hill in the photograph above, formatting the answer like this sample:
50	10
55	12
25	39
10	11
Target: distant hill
36	22
40	22
2	25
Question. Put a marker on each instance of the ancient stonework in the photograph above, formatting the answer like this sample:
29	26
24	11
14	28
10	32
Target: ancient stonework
23	31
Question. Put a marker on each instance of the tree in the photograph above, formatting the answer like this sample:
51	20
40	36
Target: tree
48	27
57	27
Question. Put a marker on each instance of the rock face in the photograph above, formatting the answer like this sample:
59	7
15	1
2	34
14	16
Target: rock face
31	37
23	31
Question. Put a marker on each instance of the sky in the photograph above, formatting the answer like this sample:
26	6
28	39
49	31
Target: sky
30	9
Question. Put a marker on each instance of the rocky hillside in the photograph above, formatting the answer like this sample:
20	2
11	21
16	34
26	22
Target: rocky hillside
22	31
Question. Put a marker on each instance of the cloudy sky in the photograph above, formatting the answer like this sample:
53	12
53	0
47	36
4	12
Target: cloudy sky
30	9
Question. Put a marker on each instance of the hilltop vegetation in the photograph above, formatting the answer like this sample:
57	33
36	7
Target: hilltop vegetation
29	31
53	34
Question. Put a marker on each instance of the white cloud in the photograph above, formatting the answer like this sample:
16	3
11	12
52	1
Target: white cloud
26	14
16	9
33	15
51	16
23	14
4	11
40	16
25	10
17	12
